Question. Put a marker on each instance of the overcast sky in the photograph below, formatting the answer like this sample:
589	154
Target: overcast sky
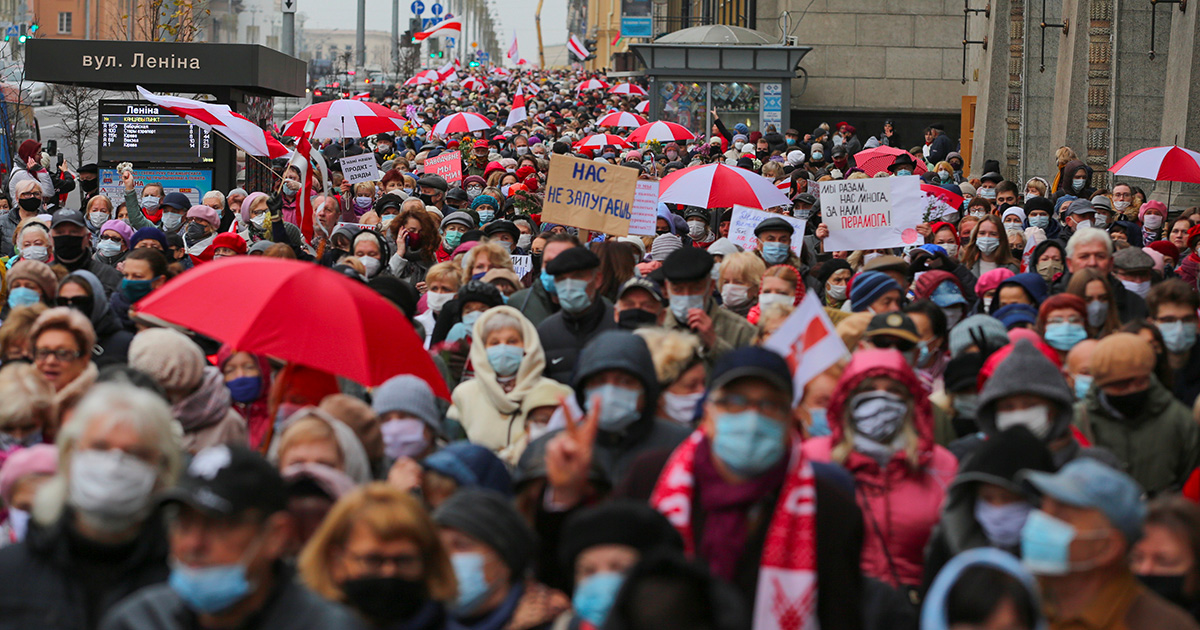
514	15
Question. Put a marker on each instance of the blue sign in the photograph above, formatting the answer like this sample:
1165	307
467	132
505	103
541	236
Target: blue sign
436	9
12	31
428	22
417	7
636	26
449	42
485	56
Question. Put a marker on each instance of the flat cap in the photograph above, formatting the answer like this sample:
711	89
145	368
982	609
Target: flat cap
573	259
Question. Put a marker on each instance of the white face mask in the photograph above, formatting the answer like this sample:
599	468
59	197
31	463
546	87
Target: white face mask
1120	206
1152	222
110	489
437	300
371	264
951	249
259	221
1086	223
1036	419
403	438
735	295
98	218
1140	288
767	299
681	407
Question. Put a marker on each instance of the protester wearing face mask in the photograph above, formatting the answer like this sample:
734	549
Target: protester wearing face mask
698	230
681	373
987	186
98	211
453	226
371	250
1062	322
881	431
1153	216
112	242
456	324
931	358
228	531
739	280
1165	559
945	290
989	248
1133	415
1134	268
484	206
73	248
583	313
118	450
378	552
1172	307
1047	260
902	166
834	276
775	243
24	471
1075	179
17	213
1078	545
689	292
986	505
409	421
508	359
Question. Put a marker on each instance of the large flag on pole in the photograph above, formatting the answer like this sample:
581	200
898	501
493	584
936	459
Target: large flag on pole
446	28
517	113
238	129
302	160
808	341
577	47
513	52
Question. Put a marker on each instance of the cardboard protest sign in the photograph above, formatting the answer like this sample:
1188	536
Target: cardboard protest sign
357	226
360	168
590	195
875	213
522	264
448	165
645	208
743	221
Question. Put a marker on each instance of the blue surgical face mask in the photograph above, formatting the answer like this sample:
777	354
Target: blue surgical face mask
245	389
1083	383
595	595
776	253
987	244
1046	544
473	587
1064	336
505	359
619	406
819	427
470	318
903	172
748	442
485	216
209	590
1179	337
548	283
23	296
1002	523
681	304
1040	221
386	219
572	295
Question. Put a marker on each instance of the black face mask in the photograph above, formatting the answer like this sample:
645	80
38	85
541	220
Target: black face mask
1130	405
385	600
194	233
68	248
426	199
536	261
1169	587
31	204
633	318
89	186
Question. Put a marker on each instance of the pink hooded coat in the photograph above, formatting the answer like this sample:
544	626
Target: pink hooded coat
900	503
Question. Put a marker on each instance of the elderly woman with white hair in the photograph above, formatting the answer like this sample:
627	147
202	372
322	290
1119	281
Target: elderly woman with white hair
94	538
214	199
507	356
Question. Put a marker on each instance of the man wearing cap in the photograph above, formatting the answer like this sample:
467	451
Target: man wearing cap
987	186
841	158
1078	215
229	532
692	307
640	303
432	190
506	233
1129	412
479	158
1133	267
746	444
775	243
698	230
892	330
384	148
903	165
73	248
1104	215
540	300
1078	544
583	312
174	206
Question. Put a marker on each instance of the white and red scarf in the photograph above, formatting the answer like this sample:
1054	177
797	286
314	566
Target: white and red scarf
787	575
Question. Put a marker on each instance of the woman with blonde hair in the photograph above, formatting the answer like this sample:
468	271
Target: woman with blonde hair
61	343
442	283
882	433
680	370
485	257
738	281
378	552
781	284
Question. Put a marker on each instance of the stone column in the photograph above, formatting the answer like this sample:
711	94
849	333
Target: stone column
1068	124
1181	101
991	103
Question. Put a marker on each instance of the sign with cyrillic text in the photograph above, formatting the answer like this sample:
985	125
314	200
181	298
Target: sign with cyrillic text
522	264
877	213
592	195
360	168
743	221
645	208
447	165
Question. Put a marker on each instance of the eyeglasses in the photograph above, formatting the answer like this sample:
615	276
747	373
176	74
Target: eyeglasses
78	302
738	403
115	239
62	354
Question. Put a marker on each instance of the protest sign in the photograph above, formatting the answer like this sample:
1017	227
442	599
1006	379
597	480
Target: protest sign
595	196
875	213
360	168
522	264
448	165
645	208
356	226
744	219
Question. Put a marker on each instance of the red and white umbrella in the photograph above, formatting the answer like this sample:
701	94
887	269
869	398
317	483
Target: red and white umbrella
462	122
628	88
642	107
1167	164
621	119
361	96
430	74
344	118
662	131
419	80
592	84
473	84
879	158
601	140
720	186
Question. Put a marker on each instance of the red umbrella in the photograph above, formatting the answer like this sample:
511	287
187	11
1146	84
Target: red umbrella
300	313
621	119
600	140
1175	164
878	159
662	131
344	118
720	186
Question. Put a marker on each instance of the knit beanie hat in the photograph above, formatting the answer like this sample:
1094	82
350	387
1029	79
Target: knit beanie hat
991	280
619	522
1153	204
989	328
175	361
471	466
409	395
490	518
867	287
663	245
482	199
1121	356
37	272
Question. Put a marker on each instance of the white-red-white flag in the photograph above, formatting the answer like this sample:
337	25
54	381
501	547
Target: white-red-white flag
517	113
301	159
808	342
236	128
445	28
513	52
577	47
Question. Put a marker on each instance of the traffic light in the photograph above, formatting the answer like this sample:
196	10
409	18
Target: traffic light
437	54
474	64
33	28
24	34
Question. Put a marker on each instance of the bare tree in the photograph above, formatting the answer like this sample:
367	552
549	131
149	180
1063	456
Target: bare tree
80	116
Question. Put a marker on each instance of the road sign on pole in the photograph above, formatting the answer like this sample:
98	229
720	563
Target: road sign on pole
436	9
289	6
417	7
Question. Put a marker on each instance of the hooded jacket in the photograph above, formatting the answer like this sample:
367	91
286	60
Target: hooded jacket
565	334
1031	283
492	418
207	414
535	303
112	340
1065	176
257	412
901	502
934	612
1160	447
620	350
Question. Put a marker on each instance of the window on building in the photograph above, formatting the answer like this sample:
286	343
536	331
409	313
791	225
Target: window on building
64	23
